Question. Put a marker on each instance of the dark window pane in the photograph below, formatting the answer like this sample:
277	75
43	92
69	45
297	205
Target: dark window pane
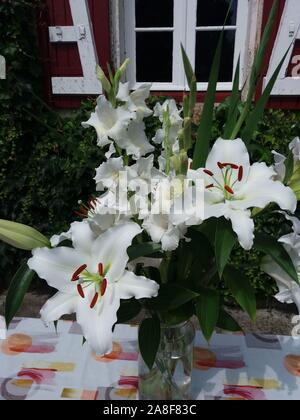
154	13
205	50
154	56
213	12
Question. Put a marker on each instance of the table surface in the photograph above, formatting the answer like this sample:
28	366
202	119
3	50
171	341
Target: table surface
38	363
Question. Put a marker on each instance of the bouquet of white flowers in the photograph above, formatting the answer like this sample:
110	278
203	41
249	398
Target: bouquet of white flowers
166	215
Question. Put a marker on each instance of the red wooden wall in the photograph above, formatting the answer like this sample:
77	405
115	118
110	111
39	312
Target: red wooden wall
63	59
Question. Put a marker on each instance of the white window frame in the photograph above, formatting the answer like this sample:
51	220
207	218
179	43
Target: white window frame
185	28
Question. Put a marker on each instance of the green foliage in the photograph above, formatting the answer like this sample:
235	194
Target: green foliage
149	340
48	160
17	290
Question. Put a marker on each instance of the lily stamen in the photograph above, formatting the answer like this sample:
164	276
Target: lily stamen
241	173
228	189
94	301
103	287
80	291
208	172
77	273
232	165
100	269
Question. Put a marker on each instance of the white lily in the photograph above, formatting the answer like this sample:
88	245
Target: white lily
108	122
91	279
136	100
289	290
233	187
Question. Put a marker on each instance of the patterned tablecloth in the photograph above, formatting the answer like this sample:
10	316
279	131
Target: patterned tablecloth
36	363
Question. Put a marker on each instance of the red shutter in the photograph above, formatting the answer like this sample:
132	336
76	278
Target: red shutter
63	59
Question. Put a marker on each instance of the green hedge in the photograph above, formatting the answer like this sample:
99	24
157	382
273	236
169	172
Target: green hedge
48	161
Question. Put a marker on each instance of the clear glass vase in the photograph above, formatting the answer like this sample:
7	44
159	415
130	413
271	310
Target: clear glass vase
171	376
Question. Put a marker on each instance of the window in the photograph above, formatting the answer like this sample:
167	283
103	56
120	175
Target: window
154	30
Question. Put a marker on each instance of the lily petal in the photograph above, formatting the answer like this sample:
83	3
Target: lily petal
97	323
82	236
138	287
57	266
243	226
228	151
111	248
59	305
260	190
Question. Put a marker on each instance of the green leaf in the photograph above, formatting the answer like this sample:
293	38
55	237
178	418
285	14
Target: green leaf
257	113
208	310
17	290
206	123
234	99
21	236
256	69
208	228
149	340
171	296
189	71
128	310
241	289
143	250
261	51
178	315
224	242
227	323
277	252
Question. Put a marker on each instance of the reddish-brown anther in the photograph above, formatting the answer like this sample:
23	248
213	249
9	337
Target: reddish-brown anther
94	301
77	273
103	287
228	189
80	291
241	173
100	269
208	172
